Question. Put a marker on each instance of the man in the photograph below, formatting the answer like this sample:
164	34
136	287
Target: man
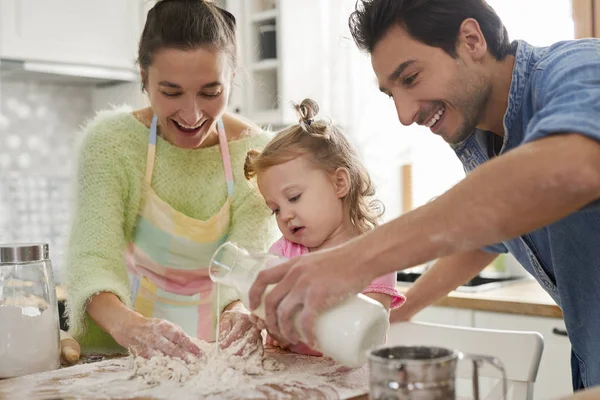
524	121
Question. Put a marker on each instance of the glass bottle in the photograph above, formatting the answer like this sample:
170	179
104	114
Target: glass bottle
345	332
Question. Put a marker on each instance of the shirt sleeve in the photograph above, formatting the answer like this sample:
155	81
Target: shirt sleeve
567	95
386	284
278	248
567	99
97	240
497	248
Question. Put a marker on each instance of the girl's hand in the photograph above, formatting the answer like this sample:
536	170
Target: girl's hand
240	333
271	341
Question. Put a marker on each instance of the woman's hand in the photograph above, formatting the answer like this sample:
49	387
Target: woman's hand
240	332
140	335
145	336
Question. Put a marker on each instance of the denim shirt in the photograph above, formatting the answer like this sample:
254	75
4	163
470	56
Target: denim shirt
556	90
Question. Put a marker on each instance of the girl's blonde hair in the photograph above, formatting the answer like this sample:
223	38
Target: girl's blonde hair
330	150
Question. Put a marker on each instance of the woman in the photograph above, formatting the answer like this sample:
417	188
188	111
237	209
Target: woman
164	186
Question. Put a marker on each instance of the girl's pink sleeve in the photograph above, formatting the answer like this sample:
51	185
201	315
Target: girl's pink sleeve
278	247
287	249
386	284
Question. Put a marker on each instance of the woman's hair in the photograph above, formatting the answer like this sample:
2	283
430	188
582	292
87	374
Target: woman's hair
329	149
187	25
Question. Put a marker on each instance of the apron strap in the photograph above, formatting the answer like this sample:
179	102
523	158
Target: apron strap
223	144
225	156
151	152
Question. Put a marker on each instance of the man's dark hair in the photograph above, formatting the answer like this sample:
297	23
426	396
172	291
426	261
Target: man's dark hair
432	22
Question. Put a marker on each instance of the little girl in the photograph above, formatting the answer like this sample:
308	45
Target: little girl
320	193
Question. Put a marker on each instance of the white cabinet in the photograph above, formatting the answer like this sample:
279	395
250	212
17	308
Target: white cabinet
100	33
281	51
237	101
445	316
554	375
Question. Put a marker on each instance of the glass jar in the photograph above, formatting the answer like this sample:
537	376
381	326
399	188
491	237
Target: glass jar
345	332
29	323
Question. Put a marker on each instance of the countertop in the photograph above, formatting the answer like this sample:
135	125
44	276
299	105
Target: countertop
304	377
588	394
525	298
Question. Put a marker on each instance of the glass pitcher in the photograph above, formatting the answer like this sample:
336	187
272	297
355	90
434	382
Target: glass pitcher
421	373
345	332
29	323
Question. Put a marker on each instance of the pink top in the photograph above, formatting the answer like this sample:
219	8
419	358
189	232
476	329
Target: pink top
385	284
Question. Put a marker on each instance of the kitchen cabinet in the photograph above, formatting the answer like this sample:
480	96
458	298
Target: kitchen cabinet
281	59
100	33
237	97
554	375
445	316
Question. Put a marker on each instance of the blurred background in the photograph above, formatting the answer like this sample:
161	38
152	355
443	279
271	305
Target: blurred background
63	60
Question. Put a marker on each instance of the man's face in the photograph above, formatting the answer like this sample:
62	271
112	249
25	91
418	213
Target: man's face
429	87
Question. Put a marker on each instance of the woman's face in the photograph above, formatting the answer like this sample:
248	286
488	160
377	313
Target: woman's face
188	91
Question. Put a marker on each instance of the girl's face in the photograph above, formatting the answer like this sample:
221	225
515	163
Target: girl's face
188	91
306	200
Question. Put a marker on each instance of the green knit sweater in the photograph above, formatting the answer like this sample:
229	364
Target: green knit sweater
110	173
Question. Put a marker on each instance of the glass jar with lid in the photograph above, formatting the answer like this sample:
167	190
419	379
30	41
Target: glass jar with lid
29	323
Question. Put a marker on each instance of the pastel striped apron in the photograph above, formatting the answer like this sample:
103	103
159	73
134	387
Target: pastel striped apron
169	256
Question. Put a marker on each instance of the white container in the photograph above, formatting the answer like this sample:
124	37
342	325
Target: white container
345	333
29	326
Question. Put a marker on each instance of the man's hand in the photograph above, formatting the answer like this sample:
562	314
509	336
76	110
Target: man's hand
307	285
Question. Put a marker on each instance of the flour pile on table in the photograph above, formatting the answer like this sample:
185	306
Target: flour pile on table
280	375
212	377
212	366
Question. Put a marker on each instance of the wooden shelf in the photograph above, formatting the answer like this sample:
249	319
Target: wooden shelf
264	15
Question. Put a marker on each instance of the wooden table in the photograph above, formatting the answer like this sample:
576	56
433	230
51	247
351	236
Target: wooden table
304	378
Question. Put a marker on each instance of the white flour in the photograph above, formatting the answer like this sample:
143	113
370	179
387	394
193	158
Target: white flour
29	341
304	377
214	366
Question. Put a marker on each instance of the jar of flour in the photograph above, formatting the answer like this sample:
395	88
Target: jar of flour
345	332
29	325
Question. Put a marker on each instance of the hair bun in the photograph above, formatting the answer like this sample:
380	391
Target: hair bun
249	164
307	110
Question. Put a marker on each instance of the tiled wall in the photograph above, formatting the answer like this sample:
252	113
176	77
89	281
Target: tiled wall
39	125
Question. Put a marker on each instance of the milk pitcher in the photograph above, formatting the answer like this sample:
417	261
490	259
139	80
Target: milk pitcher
345	332
421	373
